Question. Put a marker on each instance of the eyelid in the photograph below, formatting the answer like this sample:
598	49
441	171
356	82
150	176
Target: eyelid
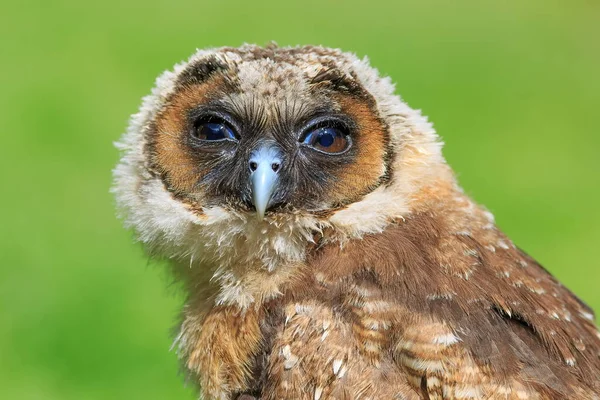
212	116
313	128
341	123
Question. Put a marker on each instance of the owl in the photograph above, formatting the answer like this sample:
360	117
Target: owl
325	247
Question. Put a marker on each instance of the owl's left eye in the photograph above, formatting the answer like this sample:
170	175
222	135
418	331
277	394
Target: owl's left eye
327	139
213	130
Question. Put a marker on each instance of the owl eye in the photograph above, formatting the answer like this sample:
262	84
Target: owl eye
213	130
327	139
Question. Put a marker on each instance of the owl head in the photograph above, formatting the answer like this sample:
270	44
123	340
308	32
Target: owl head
264	148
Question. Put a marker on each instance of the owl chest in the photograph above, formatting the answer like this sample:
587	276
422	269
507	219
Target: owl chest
300	349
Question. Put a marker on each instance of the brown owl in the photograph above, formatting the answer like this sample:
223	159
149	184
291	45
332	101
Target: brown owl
325	246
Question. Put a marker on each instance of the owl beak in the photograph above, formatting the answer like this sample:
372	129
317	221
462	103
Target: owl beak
265	164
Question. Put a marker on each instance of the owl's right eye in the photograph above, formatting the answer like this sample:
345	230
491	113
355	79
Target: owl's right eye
213	130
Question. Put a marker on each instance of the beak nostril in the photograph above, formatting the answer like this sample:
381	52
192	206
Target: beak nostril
253	166
275	167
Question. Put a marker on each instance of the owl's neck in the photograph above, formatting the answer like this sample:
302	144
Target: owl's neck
251	261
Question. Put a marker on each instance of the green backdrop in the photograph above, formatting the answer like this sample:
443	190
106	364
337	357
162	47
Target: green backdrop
513	87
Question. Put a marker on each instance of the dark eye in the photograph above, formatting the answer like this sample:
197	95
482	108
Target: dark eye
327	139
213	130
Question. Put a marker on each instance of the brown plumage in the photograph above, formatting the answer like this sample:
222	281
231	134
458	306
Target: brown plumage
371	274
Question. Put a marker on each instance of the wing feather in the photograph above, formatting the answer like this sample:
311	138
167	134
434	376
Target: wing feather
468	314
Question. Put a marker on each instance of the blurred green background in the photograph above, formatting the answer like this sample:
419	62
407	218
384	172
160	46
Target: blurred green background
513	87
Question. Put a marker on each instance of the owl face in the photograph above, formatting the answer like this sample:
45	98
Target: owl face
260	148
269	132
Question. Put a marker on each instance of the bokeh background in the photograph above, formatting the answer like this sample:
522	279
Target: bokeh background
513	87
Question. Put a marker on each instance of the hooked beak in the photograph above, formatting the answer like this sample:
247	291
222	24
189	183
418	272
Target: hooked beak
265	163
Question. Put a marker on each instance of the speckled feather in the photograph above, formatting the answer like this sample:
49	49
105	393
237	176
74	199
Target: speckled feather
386	282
